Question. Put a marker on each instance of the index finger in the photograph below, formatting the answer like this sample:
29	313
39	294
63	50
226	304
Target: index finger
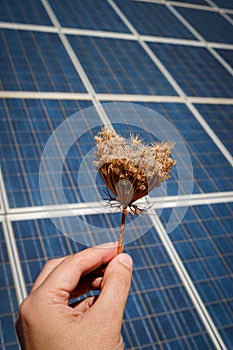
66	275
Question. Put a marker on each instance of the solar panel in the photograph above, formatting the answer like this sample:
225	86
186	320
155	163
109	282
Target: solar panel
8	305
223	3
161	69
155	19
220	119
205	245
26	128
87	14
24	12
38	62
211	25
195	70
113	71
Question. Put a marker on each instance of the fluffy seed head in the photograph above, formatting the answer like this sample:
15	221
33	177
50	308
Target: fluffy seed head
130	168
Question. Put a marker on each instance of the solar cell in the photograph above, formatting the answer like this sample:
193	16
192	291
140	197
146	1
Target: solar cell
195	70
153	19
33	61
8	305
29	12
115	66
211	25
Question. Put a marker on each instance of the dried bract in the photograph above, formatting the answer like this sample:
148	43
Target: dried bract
130	168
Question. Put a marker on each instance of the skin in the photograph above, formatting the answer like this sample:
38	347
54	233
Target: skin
46	321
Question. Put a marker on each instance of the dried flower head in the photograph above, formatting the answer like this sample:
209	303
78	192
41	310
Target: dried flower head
130	168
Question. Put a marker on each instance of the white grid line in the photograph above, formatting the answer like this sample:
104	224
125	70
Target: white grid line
93	208
113	97
11	246
120	36
45	95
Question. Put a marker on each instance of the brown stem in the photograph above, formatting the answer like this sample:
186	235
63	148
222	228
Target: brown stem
121	238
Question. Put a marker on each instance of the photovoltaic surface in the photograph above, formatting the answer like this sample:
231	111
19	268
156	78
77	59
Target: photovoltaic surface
34	61
194	2
88	14
30	12
211	25
221	120
49	73
8	305
113	70
227	55
204	241
153	19
195	70
26	128
224	3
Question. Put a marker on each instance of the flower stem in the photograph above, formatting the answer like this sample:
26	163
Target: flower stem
121	238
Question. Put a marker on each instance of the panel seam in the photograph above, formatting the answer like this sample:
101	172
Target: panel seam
11	246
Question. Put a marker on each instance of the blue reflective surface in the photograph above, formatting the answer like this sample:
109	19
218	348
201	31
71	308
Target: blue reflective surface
210	25
40	89
195	69
8	305
33	61
88	14
153	19
30	12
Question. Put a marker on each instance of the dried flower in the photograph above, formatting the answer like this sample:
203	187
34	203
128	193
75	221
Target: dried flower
130	168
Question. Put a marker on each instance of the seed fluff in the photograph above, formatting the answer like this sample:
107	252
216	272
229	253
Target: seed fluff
131	169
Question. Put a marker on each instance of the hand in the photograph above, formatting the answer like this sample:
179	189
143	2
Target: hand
46	321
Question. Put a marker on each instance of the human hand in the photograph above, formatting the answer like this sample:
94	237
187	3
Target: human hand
46	321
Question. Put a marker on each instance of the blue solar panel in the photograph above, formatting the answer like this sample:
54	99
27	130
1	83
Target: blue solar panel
26	128
8	305
195	2
158	310
227	55
24	121
224	4
211	25
88	14
119	66
204	241
219	117
153	19
195	70
30	12
212	172
34	61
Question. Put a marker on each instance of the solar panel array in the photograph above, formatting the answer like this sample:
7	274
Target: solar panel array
173	57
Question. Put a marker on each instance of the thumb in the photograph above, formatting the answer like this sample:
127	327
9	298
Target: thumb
114	292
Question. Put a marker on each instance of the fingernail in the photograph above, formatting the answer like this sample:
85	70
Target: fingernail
126	260
107	245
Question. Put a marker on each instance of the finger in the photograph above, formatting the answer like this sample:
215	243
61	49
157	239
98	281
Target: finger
87	284
47	269
115	288
82	306
66	275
